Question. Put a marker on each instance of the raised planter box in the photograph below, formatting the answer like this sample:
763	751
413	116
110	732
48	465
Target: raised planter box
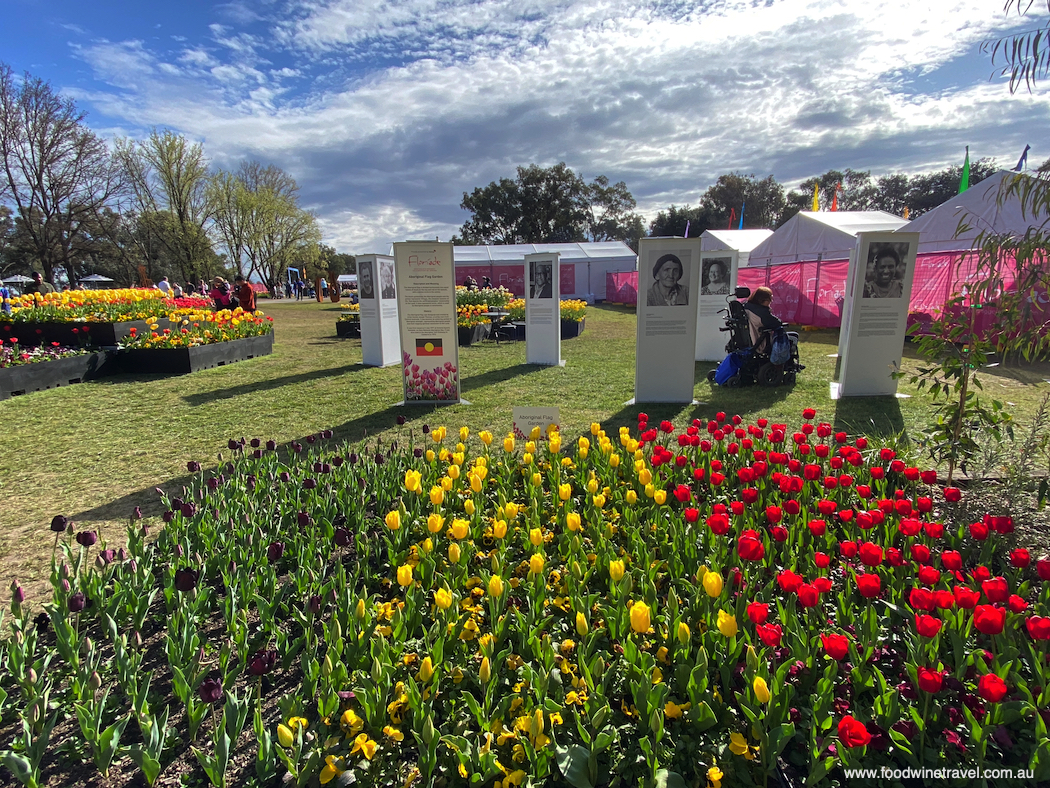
179	361
27	378
469	336
348	328
570	328
95	334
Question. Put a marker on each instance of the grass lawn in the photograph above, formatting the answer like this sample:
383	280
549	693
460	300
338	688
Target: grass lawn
97	450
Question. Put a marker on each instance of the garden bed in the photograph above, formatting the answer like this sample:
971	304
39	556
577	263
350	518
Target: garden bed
348	328
470	335
39	376
179	361
572	328
76	333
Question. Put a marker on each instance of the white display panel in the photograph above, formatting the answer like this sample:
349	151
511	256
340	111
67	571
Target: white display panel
717	281
543	309
377	297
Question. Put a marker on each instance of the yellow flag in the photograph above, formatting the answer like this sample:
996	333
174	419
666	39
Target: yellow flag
816	200
906	211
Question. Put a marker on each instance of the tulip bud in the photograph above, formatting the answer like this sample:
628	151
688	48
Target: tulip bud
656	721
87	647
136	639
377	671
598	669
752	658
326	668
284	735
33	716
31	678
577	571
486	671
359	610
428	731
426	670
581	624
94	682
683	633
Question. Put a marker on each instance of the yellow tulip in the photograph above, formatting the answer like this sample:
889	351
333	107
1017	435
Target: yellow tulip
537	480
536	564
614	460
475	482
496	586
446	483
726	624
761	690
443	598
645	476
393	520
660	496
437	496
453	553
426	670
284	735
486	671
435	522
581	624
428	545
460	529
468	506
572	521
554	443
359	610
616	571
412	481
511	510
650	490
713	583
536	537
632	497
464	433
404	575
565	491
486	437
430	455
499	529
683	633
508	444
592	485
599	500
453	472
640	617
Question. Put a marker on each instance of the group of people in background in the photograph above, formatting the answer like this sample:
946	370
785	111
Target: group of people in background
222	293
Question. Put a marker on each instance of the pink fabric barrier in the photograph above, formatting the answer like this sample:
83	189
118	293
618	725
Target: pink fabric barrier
622	288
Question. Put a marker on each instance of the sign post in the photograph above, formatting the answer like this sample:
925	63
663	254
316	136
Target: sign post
543	309
875	314
426	288
668	283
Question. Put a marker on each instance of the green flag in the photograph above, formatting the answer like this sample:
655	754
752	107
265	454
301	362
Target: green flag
964	182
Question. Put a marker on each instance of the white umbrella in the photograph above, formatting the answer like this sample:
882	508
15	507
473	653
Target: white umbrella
96	278
18	279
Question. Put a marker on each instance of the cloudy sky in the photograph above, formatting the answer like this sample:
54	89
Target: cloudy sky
386	112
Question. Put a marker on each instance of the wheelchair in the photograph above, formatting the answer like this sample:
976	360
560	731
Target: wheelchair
752	360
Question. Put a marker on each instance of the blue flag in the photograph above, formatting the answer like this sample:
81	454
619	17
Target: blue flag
742	206
1021	162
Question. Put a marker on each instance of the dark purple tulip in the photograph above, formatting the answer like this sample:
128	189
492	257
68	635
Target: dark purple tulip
176	503
313	604
426	429
417	452
210	690
122	554
137	513
255	443
230	468
304	519
337	461
379	458
186	579
59	523
311	438
18	594
317	467
345	695
297	447
234	445
249	481
189	509
275	551
86	538
362	482
168	516
326	434
342	537
107	556
401	421
1002	738
353	459
285	477
193	466
65	586
393	446
213	483
271	445
309	483
179	552
77	602
262	662
257	454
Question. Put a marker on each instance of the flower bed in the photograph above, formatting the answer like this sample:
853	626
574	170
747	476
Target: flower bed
174	360
200	328
696	606
349	323
24	370
103	306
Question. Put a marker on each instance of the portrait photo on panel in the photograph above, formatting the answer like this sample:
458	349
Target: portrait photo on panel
715	277
670	284
365	280
885	269
541	279
386	279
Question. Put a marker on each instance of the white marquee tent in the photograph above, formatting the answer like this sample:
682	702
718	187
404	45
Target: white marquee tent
820	235
740	241
979	206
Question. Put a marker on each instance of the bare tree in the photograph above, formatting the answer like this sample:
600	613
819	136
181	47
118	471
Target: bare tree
58	175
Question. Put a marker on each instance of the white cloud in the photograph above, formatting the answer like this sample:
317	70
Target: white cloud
398	109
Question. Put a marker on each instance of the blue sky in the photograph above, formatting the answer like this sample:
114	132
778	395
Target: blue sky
386	112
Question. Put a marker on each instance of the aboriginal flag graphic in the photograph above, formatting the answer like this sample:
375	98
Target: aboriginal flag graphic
428	347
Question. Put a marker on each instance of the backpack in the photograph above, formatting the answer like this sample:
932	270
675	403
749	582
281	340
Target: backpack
780	352
730	366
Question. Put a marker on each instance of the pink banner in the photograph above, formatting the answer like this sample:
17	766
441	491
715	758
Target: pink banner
622	288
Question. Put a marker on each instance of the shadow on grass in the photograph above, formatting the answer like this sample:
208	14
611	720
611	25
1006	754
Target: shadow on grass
878	417
498	376
354	432
205	397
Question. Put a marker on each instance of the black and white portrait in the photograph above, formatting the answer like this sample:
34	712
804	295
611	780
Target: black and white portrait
386	280
365	279
670	284
541	280
715	279
885	269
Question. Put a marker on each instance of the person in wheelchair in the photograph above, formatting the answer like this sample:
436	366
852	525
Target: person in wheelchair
761	319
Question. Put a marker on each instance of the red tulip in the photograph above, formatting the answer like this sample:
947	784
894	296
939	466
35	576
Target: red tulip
836	646
929	576
944	599
934	530
920	553
870	554
921	599
719	524
1038	627
1042	567
991	688
1020	558
952	494
951	560
928	477
758	612
770	634
996	589
967	598
1017	604
774	514
989	619
909	526
817	527
864	491
930	680
1000	524
849	549
979	531
927	626
792	506
924	504
822	560
749	546
853	733
808	413
887	454
865	521
869	585
779	533
808	595
789	581
823	584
